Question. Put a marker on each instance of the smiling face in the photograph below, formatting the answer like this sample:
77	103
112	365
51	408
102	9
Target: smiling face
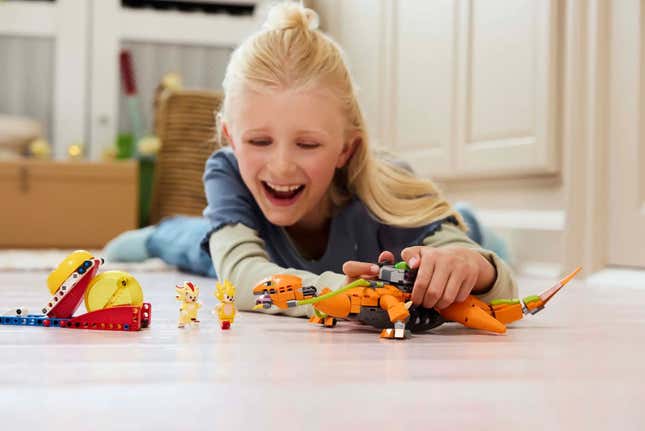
288	144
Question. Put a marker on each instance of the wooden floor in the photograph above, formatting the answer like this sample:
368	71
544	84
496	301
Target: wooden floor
580	364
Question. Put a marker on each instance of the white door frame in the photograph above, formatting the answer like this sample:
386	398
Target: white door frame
585	128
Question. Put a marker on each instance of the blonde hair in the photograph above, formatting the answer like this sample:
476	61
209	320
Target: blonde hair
289	52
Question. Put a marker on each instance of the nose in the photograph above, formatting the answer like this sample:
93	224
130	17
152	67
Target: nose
283	161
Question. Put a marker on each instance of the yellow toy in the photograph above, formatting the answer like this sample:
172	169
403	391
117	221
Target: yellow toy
187	294
111	289
225	310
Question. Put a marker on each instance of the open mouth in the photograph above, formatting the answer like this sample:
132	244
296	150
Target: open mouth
282	194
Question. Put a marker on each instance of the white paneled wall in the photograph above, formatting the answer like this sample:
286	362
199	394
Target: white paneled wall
199	67
26	78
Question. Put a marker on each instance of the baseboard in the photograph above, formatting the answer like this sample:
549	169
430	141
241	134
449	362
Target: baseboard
523	219
618	277
535	239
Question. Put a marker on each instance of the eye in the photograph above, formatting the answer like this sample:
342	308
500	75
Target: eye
259	142
308	145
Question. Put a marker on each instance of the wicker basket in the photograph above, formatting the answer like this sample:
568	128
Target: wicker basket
185	124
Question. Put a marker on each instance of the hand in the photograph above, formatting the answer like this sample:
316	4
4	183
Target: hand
355	270
448	274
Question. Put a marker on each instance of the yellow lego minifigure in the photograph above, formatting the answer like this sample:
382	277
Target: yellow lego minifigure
225	310
187	294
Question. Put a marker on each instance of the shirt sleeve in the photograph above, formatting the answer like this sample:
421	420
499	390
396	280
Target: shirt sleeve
451	235
229	200
239	255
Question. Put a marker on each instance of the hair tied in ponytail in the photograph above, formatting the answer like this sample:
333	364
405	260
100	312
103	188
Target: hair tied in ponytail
290	15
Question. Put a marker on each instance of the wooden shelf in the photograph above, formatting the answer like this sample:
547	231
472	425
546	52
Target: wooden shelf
185	27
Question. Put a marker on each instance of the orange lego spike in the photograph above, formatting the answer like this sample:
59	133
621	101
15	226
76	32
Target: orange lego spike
535	303
470	314
548	294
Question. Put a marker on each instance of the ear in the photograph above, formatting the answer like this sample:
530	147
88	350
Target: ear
349	148
227	135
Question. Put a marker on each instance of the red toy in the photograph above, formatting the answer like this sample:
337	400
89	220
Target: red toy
114	299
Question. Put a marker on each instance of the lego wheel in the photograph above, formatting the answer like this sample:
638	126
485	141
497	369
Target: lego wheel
66	268
423	319
113	288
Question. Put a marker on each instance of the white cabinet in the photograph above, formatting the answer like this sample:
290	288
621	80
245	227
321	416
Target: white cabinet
113	26
64	23
86	37
459	88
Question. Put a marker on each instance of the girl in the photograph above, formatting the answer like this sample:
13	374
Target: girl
299	191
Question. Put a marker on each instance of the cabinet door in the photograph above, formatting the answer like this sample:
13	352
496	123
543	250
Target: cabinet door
627	134
476	86
425	73
507	97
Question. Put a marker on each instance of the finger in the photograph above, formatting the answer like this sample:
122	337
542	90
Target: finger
436	286
354	269
386	256
455	280
424	275
412	255
466	287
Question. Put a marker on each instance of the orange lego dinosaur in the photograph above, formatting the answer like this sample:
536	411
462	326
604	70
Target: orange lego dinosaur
385	303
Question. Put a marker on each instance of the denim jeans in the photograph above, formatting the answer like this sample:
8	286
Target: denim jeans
176	240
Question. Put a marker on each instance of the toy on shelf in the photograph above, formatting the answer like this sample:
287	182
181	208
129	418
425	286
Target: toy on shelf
225	310
385	303
187	294
114	299
76	151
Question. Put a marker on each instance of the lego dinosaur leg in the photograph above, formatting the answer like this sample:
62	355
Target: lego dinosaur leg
318	317
396	310
329	322
398	313
397	332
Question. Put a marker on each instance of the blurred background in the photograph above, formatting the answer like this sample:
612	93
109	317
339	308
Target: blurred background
529	110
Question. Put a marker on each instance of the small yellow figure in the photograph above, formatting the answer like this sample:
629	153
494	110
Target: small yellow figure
187	294
225	310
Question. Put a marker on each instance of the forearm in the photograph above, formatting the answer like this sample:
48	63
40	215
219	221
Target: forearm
239	256
487	274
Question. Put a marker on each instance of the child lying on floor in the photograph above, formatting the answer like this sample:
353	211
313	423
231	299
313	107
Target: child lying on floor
299	191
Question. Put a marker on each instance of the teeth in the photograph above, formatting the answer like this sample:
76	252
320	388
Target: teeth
280	188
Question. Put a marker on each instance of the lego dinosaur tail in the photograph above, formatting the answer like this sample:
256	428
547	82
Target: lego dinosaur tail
471	313
535	303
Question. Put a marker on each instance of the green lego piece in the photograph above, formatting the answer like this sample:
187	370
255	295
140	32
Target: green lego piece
504	301
402	265
531	298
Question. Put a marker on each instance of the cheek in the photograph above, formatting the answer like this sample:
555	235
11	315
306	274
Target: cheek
250	164
322	171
